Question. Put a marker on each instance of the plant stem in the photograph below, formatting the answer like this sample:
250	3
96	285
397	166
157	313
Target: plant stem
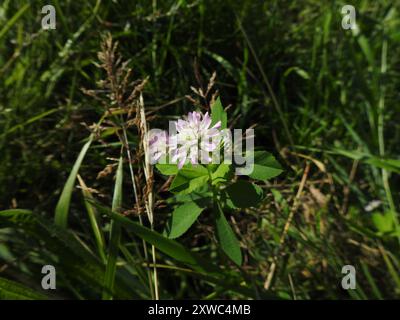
146	255
149	183
381	140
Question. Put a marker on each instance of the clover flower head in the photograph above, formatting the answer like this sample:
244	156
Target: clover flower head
195	139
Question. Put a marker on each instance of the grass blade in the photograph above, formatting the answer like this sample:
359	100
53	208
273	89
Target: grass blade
115	237
61	213
11	290
13	20
93	217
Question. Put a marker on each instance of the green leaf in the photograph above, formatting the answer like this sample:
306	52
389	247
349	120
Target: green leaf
188	170
61	212
15	216
189	178
228	241
167	169
183	217
115	237
193	171
218	114
11	290
265	166
387	164
383	222
184	185
185	180
244	194
193	196
383	163
223	173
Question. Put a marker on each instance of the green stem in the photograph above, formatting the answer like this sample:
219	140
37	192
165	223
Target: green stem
381	140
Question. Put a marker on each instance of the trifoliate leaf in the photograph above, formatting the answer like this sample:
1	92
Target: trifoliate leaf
244	194
218	114
183	217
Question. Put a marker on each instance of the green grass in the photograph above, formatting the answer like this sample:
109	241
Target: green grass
318	94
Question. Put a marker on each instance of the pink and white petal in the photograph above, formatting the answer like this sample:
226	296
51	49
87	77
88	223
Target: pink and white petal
208	146
217	125
205	157
206	122
181	124
212	133
193	158
181	162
